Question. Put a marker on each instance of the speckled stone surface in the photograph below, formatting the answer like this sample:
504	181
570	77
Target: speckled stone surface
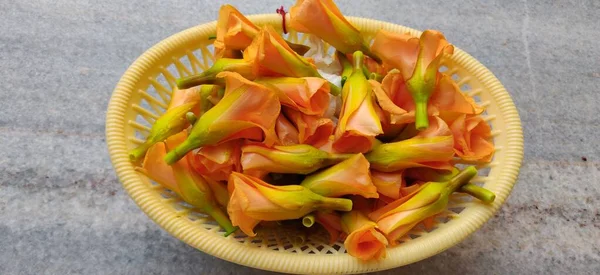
62	210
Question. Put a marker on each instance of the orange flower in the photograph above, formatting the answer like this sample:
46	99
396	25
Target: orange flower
216	162
434	152
286	131
364	241
323	19
271	56
472	138
358	124
294	159
309	95
253	200
388	184
397	218
349	177
248	110
181	179
331	222
234	30
312	130
394	98
418	60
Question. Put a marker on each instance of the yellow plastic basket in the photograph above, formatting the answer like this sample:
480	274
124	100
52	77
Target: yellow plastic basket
142	95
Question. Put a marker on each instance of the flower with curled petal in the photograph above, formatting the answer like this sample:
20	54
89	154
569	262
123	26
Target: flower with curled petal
472	138
394	98
418	60
398	217
286	131
181	178
359	123
309	95
312	130
435	152
248	110
236	32
216	162
364	241
253	200
293	159
349	177
324	19
270	55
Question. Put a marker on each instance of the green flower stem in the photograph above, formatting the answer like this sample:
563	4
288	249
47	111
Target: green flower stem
195	80
358	60
179	152
421	116
462	178
335	204
140	151
334	89
337	158
365	49
222	219
308	220
478	192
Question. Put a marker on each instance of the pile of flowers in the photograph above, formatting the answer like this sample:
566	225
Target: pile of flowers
362	142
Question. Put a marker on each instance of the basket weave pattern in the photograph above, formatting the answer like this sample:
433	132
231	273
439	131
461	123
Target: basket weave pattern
143	93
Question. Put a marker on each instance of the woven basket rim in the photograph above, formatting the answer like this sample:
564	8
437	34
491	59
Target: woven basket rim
266	259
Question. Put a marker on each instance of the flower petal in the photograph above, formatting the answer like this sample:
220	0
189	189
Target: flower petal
272	56
312	130
234	30
472	136
397	49
349	177
363	241
309	95
388	184
286	131
324	19
218	161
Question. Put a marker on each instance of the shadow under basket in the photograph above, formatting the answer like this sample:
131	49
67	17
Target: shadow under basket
143	93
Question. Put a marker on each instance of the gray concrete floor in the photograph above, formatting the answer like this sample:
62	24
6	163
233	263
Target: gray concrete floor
62	210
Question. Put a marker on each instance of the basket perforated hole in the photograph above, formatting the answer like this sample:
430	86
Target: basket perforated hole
477	98
465	87
257	241
483	171
166	195
173	71
443	219
443	68
456	210
455	77
413	236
